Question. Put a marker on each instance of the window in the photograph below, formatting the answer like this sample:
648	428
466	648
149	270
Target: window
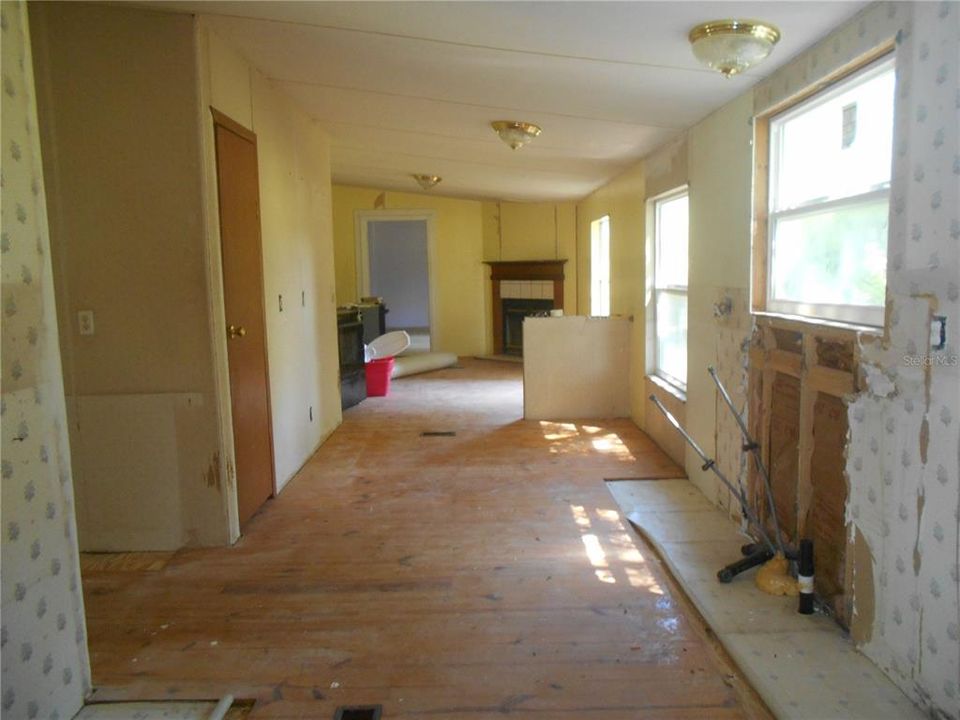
671	242
829	196
600	266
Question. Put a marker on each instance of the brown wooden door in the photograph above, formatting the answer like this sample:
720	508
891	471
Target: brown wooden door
238	184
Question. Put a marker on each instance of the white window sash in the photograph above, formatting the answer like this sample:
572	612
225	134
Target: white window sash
871	315
657	370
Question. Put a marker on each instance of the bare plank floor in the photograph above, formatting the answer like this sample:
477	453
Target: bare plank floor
443	577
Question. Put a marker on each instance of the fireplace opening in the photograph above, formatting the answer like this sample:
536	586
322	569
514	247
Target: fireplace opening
514	312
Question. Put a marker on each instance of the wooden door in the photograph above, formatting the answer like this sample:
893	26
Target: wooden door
239	195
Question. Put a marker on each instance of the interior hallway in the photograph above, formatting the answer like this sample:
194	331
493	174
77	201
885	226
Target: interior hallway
444	577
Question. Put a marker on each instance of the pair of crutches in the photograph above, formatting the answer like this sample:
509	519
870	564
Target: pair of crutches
754	553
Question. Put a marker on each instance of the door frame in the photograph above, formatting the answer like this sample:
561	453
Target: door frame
362	220
231	125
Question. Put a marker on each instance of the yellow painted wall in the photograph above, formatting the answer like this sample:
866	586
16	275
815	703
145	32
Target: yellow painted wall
720	165
534	231
623	200
461	295
297	236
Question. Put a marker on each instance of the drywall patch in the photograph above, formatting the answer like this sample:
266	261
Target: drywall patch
861	624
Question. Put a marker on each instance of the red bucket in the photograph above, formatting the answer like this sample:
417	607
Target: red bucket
378	376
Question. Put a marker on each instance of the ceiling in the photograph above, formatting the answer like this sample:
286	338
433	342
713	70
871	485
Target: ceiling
411	87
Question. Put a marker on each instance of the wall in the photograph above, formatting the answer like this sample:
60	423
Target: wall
462	305
720	166
118	102
46	671
623	200
398	271
575	367
903	456
298	248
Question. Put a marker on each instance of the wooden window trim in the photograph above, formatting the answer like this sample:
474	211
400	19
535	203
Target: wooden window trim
760	240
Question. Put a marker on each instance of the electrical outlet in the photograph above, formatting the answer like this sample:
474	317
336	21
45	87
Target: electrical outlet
938	332
85	322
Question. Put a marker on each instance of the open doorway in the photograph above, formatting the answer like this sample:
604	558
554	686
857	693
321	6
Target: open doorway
394	264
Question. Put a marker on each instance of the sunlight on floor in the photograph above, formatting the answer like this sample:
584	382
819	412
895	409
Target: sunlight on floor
622	558
567	438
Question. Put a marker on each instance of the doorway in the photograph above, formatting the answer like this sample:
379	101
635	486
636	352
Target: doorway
238	191
394	264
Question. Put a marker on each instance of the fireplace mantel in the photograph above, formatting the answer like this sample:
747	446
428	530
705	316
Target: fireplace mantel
522	270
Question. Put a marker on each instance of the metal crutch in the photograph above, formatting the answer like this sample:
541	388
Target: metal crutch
751	446
710	464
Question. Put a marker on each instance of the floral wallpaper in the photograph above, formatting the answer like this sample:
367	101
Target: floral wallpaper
45	668
903	456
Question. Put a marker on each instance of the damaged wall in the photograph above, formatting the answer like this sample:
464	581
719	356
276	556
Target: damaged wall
904	450
46	671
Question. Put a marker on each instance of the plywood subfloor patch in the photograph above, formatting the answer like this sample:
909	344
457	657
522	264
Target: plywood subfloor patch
124	562
803	666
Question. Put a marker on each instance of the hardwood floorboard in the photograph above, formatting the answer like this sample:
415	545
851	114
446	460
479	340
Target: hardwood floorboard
474	576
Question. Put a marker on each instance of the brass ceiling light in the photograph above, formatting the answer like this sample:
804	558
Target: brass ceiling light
427	181
514	133
731	46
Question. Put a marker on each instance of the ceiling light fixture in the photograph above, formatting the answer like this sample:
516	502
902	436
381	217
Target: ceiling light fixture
427	181
514	133
731	46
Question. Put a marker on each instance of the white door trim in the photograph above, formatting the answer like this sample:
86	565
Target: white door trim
362	220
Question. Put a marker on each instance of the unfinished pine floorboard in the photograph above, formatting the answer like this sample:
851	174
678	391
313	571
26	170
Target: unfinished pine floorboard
443	577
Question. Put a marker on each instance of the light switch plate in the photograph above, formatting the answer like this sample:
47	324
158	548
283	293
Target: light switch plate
85	322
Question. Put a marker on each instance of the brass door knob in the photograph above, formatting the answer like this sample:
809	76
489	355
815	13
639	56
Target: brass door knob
236	331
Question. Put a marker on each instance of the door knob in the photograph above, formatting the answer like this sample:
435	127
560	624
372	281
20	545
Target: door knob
236	331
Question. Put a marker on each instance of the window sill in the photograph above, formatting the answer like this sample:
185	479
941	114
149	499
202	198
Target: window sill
811	322
676	392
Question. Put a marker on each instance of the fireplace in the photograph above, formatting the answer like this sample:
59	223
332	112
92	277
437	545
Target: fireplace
515	310
536	284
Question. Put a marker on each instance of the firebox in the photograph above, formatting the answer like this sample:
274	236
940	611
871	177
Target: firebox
514	312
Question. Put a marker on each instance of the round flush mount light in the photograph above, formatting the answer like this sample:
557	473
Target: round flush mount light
514	133
427	181
731	46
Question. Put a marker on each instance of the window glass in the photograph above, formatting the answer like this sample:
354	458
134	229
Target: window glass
600	266
830	160
671	249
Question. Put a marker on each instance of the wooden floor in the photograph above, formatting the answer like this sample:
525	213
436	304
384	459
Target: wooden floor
474	576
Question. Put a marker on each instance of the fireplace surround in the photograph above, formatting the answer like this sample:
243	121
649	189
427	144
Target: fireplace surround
533	271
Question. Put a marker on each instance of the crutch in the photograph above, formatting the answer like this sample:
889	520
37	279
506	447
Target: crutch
710	464
750	445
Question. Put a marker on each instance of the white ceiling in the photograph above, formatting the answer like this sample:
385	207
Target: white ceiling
411	87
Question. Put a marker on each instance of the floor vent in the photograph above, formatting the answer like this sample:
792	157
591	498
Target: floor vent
438	433
358	712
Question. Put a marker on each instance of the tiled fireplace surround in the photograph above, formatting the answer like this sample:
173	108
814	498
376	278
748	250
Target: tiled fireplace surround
523	280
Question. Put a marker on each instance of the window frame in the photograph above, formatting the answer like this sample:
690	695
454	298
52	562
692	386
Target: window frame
862	318
605	285
653	209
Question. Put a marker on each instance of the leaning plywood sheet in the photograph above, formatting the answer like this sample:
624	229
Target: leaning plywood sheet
576	367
